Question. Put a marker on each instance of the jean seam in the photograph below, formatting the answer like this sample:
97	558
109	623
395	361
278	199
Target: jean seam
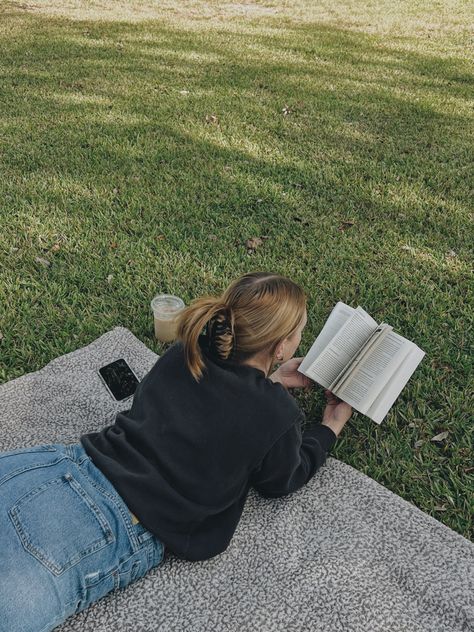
137	542
120	504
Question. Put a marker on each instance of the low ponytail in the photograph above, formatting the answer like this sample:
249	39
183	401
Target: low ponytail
217	318
253	315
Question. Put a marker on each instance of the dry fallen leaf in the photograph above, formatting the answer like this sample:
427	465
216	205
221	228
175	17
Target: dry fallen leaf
212	119
160	237
55	247
113	244
346	225
43	262
440	437
253	242
418	444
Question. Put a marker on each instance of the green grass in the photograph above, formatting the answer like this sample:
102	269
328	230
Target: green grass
103	154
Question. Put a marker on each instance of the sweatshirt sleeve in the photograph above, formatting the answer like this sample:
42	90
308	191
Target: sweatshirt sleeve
293	460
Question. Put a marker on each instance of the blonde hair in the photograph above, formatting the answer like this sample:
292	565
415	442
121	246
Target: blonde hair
255	313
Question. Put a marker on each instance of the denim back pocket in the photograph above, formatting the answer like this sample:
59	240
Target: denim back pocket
59	523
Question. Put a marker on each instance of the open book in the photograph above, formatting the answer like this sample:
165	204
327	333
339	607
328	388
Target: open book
363	363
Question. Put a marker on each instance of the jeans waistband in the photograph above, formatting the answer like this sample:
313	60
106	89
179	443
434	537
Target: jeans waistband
76	452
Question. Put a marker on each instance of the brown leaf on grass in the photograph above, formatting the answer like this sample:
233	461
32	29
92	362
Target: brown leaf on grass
467	470
437	365
159	237
254	242
55	247
440	437
113	244
290	109
212	119
345	225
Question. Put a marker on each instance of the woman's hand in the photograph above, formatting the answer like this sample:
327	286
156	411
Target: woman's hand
336	414
288	375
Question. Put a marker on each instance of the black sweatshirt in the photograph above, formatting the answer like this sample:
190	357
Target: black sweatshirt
185	455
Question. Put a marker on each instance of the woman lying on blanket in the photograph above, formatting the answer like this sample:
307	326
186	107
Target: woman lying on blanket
208	421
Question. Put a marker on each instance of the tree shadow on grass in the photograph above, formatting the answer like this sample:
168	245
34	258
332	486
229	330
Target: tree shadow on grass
97	128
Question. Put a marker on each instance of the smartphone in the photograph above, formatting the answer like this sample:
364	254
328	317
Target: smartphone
119	379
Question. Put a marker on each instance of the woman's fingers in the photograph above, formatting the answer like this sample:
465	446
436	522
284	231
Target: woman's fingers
331	397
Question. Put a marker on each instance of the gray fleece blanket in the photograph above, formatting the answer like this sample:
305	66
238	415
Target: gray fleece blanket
342	553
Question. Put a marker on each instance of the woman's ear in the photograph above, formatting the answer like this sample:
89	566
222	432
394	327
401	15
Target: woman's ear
280	351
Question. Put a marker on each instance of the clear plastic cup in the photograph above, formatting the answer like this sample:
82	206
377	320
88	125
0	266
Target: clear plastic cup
166	308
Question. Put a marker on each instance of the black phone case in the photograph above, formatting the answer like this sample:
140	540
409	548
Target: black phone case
119	379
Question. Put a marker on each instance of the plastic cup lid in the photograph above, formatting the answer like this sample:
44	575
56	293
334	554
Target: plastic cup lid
167	305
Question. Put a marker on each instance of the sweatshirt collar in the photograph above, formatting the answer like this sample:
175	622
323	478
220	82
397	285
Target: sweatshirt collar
245	368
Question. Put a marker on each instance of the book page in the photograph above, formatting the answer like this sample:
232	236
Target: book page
373	373
374	339
342	348
382	404
339	315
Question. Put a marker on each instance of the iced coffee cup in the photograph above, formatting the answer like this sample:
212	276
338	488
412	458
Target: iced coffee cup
166	308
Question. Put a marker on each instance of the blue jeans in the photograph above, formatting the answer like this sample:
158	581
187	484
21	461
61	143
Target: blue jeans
67	538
